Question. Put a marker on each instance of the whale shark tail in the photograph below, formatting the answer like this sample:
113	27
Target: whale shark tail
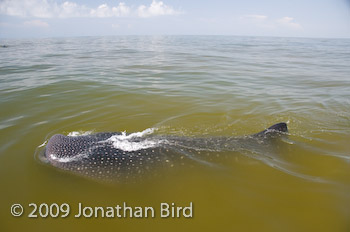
274	130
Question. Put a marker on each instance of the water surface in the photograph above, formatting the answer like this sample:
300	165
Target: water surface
184	86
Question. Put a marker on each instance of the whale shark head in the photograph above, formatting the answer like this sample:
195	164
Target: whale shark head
106	156
60	148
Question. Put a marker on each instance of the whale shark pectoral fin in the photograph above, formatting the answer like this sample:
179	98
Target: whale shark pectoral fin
274	130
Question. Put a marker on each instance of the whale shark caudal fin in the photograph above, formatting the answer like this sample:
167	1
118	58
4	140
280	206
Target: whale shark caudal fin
274	130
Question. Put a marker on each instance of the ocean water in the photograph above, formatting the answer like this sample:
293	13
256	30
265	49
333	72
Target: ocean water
191	86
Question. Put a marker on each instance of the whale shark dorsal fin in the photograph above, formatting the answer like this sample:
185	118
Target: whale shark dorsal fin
276	129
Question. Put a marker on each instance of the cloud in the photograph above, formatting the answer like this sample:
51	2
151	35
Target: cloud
258	20
263	21
104	11
115	26
68	10
25	8
36	23
288	21
51	9
256	17
156	9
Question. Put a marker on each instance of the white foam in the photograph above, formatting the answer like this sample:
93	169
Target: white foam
79	133
68	159
123	141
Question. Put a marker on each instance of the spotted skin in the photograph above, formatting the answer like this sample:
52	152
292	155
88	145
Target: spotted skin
92	156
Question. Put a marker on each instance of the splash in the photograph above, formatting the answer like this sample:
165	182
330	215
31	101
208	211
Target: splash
68	159
43	144
79	133
129	142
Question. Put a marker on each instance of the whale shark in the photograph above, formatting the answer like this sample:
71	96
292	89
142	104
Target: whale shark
122	156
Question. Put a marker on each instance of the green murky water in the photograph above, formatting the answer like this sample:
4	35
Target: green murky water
183	86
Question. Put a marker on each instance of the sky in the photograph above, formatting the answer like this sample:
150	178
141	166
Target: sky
284	18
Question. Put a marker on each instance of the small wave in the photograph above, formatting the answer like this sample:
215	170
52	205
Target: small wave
127	142
43	144
79	133
271	160
68	159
